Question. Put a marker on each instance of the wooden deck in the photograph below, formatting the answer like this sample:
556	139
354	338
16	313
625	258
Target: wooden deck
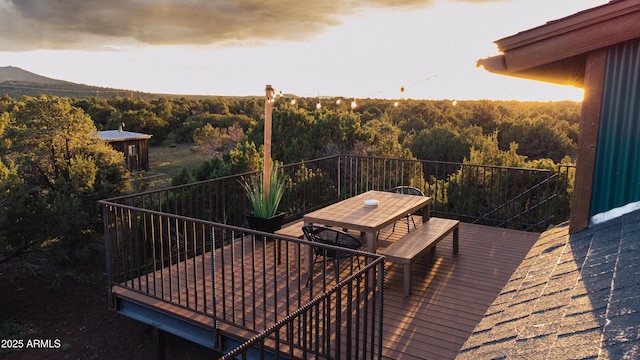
450	292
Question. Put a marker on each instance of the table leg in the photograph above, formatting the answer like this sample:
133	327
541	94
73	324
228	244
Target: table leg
456	237
372	243
372	247
308	258
426	213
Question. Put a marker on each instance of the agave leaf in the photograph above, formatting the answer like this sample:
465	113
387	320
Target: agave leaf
263	207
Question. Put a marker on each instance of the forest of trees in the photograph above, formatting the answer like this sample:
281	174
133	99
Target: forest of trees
430	130
52	165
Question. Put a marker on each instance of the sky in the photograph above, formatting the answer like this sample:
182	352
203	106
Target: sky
350	48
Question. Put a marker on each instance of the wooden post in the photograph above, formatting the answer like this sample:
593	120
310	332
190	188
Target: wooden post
587	140
159	343
268	109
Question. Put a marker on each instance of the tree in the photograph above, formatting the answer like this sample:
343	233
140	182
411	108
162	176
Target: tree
99	110
440	143
245	157
144	121
489	153
484	114
216	140
384	140
488	192
539	137
54	168
334	132
291	138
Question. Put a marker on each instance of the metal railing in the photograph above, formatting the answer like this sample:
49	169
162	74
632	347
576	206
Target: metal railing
188	246
519	198
247	282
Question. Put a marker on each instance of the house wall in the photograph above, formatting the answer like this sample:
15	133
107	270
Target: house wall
616	177
136	153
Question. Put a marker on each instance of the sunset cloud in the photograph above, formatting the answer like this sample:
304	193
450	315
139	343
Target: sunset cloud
94	24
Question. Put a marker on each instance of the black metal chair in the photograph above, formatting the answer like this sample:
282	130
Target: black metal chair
330	236
409	190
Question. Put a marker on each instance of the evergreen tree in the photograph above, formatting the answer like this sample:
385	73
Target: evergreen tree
53	170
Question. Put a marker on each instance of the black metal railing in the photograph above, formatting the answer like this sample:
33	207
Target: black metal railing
188	246
350	334
247	282
519	198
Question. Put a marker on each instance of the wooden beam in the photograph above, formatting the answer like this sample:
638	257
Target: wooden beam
159	343
268	109
573	43
588	139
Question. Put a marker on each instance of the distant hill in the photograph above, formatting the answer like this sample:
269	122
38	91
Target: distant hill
17	82
15	74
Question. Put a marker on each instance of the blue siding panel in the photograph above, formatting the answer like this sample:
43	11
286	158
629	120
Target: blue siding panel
168	323
616	181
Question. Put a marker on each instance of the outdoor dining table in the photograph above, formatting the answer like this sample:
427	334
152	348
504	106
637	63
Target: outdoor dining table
354	214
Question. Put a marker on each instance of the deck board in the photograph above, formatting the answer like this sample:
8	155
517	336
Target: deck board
450	292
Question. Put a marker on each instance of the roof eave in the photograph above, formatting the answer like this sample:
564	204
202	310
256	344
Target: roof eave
555	52
563	72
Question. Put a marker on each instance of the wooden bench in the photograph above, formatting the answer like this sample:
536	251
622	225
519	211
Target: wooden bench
417	242
293	229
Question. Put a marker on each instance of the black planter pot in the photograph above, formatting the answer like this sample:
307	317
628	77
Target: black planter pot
269	225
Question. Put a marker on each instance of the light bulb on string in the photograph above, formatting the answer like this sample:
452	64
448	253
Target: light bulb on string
396	103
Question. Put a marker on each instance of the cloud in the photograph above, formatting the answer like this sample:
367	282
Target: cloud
90	24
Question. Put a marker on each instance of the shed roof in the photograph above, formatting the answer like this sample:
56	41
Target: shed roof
573	296
556	51
116	135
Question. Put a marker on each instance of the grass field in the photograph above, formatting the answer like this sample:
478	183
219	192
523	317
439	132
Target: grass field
170	160
166	161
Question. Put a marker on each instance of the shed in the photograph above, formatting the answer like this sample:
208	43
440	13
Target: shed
134	146
599	50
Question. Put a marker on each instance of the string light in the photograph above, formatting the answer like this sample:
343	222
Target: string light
396	103
354	103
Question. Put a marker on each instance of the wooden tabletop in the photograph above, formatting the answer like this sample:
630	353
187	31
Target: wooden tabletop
354	215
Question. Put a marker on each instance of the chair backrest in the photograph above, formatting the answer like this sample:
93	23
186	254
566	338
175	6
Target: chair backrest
409	190
330	236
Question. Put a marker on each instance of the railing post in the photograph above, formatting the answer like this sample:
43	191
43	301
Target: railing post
339	174
214	307
107	249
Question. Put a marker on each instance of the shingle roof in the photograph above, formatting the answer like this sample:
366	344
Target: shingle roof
573	297
116	135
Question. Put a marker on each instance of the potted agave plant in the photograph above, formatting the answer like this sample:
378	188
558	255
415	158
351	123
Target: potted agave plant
265	216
